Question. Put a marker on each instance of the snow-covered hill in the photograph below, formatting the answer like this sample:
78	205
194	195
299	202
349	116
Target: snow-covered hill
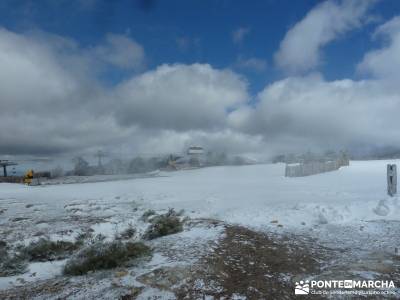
250	195
347	208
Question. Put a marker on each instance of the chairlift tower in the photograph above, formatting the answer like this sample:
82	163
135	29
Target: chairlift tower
5	164
100	154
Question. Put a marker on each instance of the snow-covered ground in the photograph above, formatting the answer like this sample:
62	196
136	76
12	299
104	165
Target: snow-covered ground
347	208
249	195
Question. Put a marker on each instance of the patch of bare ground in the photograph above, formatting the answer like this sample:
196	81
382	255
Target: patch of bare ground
51	287
48	287
252	265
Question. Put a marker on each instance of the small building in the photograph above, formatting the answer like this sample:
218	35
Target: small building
193	158
195	155
195	151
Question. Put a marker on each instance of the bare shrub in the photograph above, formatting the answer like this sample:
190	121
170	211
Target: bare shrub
47	250
104	255
162	225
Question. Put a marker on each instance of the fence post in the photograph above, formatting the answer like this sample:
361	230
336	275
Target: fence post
391	179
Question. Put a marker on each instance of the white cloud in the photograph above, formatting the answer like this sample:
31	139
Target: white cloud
185	43
384	62
51	102
48	104
239	34
225	140
121	51
301	113
251	63
180	97
300	50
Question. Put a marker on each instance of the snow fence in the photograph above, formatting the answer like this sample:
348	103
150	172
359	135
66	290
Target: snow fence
315	167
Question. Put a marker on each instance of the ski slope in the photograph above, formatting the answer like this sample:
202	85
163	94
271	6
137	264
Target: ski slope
249	195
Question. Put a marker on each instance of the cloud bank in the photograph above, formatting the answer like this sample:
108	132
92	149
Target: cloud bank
54	101
306	113
180	97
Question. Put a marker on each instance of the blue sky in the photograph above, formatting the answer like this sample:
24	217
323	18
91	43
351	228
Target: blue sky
157	76
177	31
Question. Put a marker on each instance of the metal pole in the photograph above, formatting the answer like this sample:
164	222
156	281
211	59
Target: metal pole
5	170
391	179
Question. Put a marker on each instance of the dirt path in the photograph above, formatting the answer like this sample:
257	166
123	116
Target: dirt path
252	265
